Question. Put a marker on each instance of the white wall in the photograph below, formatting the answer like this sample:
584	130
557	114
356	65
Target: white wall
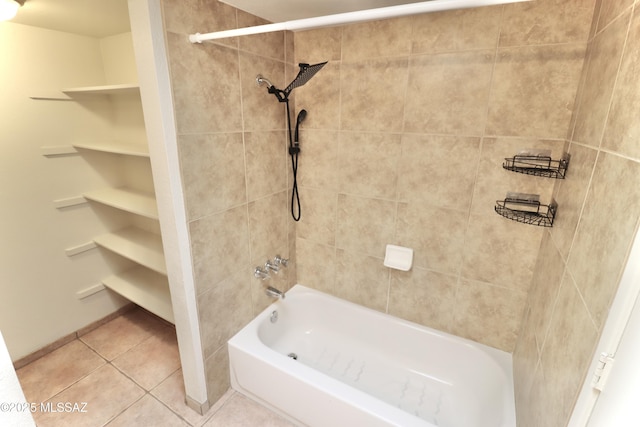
38	282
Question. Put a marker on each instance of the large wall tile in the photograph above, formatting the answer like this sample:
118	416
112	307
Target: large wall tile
435	234
535	412
438	170
501	251
610	10
567	352
533	90
466	29
605	232
266	159
268	225
424	297
213	172
374	39
546	22
215	262
217	374
313	46
488	313
223	310
270	45
318	216
570	195
316	265
546	281
372	94
261	110
318	160
207	99
623	127
365	225
362	279
525	361
368	164
200	16
603	60
448	93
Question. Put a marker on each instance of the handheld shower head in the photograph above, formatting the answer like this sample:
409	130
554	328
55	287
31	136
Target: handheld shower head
301	116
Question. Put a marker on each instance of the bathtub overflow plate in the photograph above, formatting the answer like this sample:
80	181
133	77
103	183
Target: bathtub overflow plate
293	356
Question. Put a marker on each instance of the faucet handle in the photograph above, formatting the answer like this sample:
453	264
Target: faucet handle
281	261
271	266
261	273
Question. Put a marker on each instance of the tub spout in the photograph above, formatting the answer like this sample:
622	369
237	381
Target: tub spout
273	292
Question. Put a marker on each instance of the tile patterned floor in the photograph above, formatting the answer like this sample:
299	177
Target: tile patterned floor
128	372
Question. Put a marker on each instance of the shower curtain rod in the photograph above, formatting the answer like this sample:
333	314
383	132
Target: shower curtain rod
351	17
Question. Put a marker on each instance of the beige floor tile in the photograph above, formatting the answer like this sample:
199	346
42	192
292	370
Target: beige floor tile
147	412
123	333
42	379
242	412
152	361
106	392
171	393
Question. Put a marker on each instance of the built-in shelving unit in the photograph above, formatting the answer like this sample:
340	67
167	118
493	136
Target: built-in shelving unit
145	284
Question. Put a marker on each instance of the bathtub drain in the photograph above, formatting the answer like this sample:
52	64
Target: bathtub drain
293	356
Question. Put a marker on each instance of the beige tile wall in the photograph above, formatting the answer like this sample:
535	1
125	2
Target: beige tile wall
407	128
234	167
406	132
582	256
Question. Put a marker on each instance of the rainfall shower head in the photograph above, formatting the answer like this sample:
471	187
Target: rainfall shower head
304	75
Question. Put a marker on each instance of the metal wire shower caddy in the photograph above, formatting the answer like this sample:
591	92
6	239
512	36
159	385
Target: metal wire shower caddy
527	210
538	165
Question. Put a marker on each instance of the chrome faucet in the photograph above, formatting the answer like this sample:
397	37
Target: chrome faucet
273	292
278	260
261	273
271	266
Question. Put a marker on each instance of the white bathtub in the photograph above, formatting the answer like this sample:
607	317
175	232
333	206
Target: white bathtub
358	367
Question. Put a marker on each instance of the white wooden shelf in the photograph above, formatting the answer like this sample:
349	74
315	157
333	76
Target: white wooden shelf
144	287
103	90
132	149
126	199
137	245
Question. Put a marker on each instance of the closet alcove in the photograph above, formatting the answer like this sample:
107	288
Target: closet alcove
130	239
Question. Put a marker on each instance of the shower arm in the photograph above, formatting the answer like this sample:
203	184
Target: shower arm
280	94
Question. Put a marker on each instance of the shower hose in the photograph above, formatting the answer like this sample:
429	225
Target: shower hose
294	150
